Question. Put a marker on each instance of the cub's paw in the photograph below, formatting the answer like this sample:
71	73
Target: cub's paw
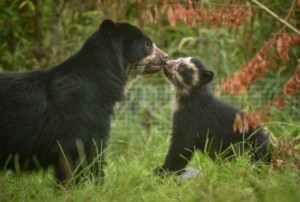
186	173
190	173
164	172
161	171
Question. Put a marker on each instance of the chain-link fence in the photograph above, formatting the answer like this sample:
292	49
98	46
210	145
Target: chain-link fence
148	104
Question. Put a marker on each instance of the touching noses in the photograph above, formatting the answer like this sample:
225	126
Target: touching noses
161	56
171	63
164	57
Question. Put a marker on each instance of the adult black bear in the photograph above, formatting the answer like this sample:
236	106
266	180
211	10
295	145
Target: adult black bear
61	116
202	121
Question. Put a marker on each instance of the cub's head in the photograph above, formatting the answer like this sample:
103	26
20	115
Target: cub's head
140	54
186	73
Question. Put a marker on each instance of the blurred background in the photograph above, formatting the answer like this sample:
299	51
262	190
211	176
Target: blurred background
229	36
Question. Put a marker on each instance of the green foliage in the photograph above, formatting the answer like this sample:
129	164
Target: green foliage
39	34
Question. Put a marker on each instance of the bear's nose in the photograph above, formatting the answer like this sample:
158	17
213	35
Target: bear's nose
164	57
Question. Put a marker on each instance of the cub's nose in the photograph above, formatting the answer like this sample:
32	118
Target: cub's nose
171	63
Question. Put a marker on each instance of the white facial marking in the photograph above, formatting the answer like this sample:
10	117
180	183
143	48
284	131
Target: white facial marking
195	77
174	102
133	70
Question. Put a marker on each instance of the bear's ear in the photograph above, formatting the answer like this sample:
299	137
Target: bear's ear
108	28
206	76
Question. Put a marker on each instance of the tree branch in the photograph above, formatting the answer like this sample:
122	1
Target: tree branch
276	16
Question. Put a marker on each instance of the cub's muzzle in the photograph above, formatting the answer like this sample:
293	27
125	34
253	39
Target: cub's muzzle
170	64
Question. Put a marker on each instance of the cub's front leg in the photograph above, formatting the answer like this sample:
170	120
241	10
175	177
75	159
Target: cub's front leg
181	150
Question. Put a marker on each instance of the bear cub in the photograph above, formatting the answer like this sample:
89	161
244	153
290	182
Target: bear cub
202	121
61	116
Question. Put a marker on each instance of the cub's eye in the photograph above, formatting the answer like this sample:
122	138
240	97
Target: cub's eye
148	43
181	68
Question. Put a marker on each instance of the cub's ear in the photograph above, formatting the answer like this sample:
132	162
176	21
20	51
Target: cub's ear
206	76
108	28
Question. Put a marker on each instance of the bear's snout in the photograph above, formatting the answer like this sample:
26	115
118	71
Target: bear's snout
159	57
164	57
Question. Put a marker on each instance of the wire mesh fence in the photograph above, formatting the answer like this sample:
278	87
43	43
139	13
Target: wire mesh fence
148	104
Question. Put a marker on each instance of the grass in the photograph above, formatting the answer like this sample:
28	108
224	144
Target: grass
138	144
129	178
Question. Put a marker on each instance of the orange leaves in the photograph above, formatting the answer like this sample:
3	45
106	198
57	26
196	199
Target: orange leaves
171	16
278	103
232	15
243	121
255	69
251	72
238	124
177	13
292	86
284	42
188	12
234	85
297	73
286	154
260	64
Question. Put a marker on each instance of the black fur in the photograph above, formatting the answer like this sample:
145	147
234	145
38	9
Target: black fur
202	121
48	117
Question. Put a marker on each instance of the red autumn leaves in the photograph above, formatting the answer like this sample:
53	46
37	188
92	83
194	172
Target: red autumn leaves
188	12
214	14
260	64
243	121
292	86
255	69
286	155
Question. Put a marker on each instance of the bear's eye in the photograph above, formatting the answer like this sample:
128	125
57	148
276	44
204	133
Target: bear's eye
148	43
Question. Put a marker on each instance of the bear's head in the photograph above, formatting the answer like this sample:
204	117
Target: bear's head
140	54
186	73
